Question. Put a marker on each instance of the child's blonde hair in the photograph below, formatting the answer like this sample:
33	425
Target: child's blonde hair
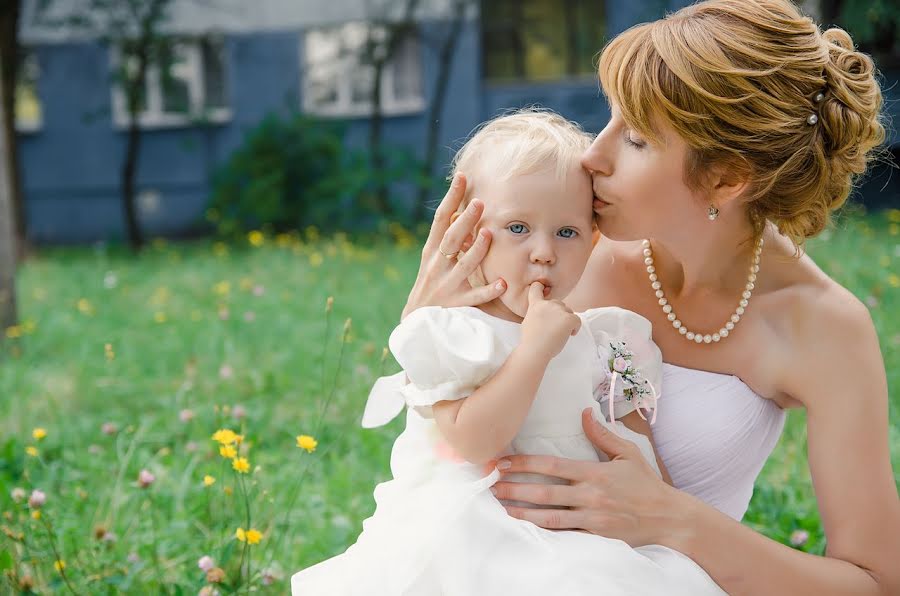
517	143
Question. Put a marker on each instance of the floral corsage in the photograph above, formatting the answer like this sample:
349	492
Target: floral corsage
632	386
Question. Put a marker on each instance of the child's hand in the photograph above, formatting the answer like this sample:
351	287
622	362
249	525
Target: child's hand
548	324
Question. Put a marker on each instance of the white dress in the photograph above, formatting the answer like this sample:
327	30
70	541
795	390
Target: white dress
437	529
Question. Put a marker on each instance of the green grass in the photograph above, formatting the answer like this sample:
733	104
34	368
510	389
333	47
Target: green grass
168	350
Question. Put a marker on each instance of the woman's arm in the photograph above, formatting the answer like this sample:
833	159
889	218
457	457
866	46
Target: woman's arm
840	378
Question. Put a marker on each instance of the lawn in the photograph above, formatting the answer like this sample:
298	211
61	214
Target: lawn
129	365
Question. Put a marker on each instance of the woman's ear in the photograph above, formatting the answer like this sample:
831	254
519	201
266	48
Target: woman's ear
726	186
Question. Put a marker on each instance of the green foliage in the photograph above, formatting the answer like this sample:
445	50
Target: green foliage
286	175
875	26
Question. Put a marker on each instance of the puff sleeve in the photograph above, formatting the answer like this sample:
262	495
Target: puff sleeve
446	354
631	363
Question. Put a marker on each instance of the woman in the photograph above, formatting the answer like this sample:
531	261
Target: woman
737	128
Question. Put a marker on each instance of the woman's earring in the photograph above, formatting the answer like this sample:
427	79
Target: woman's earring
712	213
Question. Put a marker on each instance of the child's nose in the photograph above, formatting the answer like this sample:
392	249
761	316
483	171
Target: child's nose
542	253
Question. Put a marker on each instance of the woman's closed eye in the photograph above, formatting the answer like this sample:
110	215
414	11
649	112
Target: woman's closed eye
633	141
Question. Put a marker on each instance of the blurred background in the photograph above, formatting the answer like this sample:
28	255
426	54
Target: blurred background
210	215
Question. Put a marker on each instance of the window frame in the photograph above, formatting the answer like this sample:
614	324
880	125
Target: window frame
345	106
155	116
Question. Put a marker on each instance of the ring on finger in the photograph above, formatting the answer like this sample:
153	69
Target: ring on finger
450	256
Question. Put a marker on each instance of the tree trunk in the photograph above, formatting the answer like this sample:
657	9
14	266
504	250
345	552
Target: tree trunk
7	227
133	90
9	54
445	63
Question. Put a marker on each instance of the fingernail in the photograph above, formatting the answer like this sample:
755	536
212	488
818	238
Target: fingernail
504	464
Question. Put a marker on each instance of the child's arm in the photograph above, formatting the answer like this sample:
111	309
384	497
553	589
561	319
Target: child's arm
478	427
633	421
481	425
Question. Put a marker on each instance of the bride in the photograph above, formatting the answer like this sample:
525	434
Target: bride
736	124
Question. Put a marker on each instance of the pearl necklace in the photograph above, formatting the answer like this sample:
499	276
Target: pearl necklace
673	318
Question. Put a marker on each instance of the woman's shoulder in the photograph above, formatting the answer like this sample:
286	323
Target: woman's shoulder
818	321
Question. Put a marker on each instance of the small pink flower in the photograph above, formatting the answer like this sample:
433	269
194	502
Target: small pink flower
18	494
799	537
146	478
109	428
259	290
226	371
223	314
191	446
37	499
95	449
249	316
620	365
238	412
186	415
206	563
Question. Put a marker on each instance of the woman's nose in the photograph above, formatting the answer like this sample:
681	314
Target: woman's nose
597	158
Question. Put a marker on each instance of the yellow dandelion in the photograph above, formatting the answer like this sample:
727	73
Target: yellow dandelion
39	433
14	332
208	480
108	351
36	514
283	240
256	238
220	249
312	234
222	288
84	307
240	534
227	451
307	442
894	215
160	317
894	280
316	260
241	465
32	451
227	490
225	436
253	536
59	565
894	229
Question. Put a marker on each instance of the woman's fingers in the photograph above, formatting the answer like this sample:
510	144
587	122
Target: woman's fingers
473	257
449	205
551	519
548	465
460	229
484	294
558	495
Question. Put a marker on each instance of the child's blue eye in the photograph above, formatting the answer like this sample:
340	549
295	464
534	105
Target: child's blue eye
567	233
517	228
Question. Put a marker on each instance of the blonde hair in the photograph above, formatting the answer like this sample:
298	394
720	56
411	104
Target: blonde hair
518	143
738	81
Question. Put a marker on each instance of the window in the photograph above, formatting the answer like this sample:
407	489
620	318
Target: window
190	86
541	39
28	108
338	76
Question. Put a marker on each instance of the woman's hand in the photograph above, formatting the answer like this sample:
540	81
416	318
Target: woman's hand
443	279
622	498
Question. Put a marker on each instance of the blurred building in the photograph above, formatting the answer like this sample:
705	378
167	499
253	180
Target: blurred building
237	60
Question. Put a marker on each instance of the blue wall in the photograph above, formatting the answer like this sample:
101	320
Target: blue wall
72	165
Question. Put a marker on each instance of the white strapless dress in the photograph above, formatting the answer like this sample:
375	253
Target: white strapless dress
438	531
